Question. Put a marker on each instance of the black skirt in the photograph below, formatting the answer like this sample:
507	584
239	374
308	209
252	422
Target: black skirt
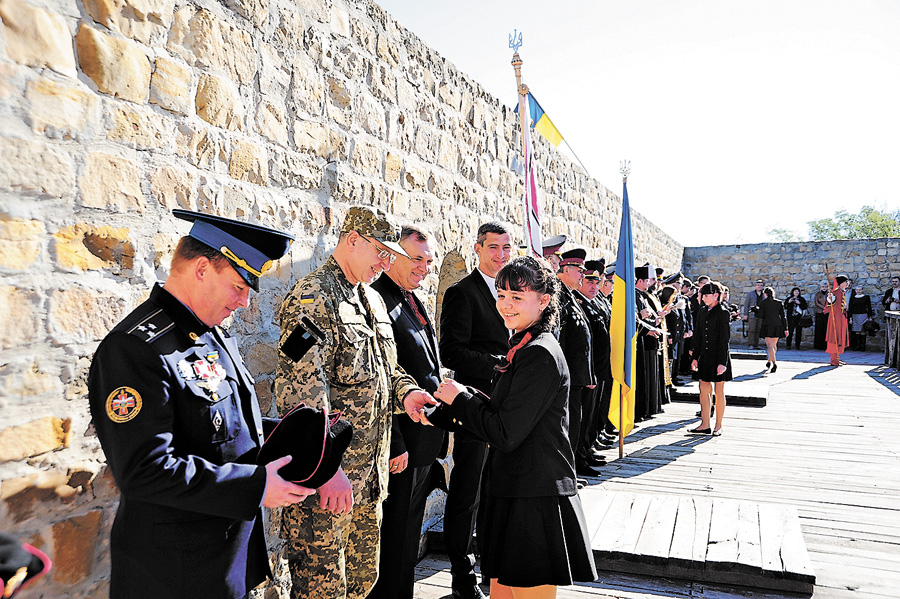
771	329
533	541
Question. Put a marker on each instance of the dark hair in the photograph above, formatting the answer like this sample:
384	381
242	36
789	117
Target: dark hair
527	273
769	292
666	294
797	289
491	227
712	288
189	248
413	231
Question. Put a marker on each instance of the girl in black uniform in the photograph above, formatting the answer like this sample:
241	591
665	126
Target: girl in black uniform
712	363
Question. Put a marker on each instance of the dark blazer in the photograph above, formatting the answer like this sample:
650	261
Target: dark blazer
473	335
599	318
417	354
526	424
771	313
575	340
710	349
176	413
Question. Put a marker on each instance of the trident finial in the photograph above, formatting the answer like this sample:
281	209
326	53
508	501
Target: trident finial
625	168
515	43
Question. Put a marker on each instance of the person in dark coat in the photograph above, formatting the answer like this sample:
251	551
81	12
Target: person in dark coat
577	345
176	413
711	358
859	310
794	307
535	535
773	325
473	339
647	395
414	448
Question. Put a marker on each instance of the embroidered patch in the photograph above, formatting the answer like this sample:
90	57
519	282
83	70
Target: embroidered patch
217	421
307	298
123	404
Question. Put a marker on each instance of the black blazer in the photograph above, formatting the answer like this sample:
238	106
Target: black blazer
417	354
473	335
526	424
600	347
575	339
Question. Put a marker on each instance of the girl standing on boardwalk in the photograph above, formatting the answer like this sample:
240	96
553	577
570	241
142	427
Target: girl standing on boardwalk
535	537
837	334
712	361
774	326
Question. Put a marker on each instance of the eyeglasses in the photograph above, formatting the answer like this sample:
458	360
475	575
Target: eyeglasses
382	254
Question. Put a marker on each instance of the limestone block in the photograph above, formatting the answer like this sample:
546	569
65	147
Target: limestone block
201	147
74	545
448	153
20	309
34	438
118	67
28	378
270	121
307	87
59	110
20	242
37	38
370	114
111	182
140	128
219	103
292	169
316	138
441	185
180	33
31	166
383	82
339	20
81	315
423	144
415	177
249	162
449	95
137	19
255	11
289	32
220	45
170	86
317	9
22	495
387	50
339	91
366	158
86	247
274	72
261	359
393	164
173	188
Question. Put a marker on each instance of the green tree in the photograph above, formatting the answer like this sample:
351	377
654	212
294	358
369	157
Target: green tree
867	224
780	235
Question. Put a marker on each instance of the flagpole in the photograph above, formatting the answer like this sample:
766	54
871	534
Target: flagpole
515	42
624	168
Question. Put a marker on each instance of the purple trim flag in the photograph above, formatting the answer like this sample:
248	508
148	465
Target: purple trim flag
622	327
531	213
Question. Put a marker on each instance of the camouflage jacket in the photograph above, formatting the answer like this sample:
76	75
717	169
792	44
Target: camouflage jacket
359	374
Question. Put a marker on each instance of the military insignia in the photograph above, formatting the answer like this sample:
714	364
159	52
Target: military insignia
307	298
209	372
186	370
217	421
123	404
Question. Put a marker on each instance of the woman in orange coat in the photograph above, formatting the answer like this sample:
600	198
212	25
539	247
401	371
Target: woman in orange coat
837	336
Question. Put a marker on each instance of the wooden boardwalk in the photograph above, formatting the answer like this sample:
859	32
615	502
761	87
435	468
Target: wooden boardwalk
827	444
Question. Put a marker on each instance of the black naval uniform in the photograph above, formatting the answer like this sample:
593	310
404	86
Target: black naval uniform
177	416
599	321
575	341
646	401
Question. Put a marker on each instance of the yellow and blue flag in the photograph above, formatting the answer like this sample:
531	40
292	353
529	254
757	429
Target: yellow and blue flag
622	327
541	122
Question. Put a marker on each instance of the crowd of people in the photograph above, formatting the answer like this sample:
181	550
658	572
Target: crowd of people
361	366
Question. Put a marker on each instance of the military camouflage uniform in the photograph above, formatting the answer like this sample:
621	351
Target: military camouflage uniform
336	555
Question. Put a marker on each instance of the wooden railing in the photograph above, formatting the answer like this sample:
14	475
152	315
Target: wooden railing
892	338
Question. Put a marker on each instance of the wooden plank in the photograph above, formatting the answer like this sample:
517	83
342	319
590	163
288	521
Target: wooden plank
612	527
684	532
634	523
656	536
723	545
595	505
793	550
749	554
772	525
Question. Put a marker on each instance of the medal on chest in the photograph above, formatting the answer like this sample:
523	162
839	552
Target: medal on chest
207	372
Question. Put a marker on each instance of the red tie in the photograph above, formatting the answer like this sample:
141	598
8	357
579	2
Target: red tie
415	308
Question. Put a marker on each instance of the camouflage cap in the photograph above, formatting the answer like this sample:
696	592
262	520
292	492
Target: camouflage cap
376	224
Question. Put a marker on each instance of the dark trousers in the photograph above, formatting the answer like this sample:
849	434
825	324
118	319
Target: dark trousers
583	441
819	334
753	326
600	419
577	398
461	507
794	328
401	530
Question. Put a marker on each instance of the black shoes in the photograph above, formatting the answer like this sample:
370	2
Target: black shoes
585	470
774	367
469	592
700	431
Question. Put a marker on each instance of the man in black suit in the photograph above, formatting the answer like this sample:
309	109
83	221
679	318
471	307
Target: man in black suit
473	341
414	447
575	341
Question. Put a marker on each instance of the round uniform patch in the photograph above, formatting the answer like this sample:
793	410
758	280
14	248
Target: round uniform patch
123	404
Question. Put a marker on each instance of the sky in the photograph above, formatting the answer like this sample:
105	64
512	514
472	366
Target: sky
737	116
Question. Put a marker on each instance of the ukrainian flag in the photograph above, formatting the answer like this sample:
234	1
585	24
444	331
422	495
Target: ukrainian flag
622	327
542	123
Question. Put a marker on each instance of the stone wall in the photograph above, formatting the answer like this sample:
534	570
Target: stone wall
283	112
869	262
